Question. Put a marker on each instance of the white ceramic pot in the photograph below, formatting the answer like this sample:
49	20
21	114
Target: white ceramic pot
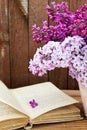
83	92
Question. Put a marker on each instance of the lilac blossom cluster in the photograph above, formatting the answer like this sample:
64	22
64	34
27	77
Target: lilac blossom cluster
65	23
66	42
71	53
51	33
79	26
59	13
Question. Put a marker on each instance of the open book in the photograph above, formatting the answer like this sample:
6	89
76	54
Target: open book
35	104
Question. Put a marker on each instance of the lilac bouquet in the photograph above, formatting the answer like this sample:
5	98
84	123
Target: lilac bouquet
65	42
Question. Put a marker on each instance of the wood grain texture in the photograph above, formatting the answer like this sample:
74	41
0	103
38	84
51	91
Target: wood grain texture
77	125
4	43
23	5
73	5
18	45
59	75
37	14
80	3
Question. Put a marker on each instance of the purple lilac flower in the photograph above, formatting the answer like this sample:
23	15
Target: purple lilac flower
61	17
79	26
33	103
65	23
59	13
51	33
66	42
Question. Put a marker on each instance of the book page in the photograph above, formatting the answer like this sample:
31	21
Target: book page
7	97
7	112
40	98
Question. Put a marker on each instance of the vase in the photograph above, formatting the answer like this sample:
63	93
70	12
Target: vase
83	92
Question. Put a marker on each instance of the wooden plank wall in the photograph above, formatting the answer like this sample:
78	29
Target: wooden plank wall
17	47
4	43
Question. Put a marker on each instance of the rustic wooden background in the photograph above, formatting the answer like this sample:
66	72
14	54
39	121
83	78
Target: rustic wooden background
17	47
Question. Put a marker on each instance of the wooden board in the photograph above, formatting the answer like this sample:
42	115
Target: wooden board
18	27
4	43
37	14
17	46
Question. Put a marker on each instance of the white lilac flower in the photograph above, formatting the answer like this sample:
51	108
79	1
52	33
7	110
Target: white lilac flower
71	53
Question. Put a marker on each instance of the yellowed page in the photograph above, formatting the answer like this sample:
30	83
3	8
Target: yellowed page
10	118
7	112
46	96
7	97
